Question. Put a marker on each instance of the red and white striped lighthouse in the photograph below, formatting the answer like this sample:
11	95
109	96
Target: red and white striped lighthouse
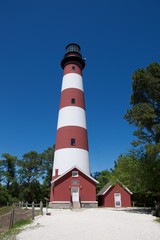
71	142
71	148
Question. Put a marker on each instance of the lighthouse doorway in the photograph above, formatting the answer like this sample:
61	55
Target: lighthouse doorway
75	194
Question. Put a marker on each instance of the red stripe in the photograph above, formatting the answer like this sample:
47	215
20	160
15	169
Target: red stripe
69	68
72	97
65	134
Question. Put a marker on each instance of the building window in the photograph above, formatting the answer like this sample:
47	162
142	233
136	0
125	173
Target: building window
73	142
74	173
73	68
75	182
73	100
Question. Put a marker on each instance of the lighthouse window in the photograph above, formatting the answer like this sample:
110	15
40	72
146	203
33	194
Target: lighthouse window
73	68
73	142
73	100
74	173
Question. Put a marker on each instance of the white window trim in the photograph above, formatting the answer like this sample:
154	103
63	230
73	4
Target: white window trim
74	173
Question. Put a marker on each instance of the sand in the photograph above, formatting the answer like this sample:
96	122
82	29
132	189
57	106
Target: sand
92	224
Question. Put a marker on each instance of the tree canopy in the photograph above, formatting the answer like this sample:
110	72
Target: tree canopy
145	116
145	101
26	179
8	169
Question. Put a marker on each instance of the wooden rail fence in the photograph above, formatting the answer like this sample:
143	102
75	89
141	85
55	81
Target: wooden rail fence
20	211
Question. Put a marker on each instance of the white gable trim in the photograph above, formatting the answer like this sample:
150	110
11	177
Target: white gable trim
107	189
112	185
126	189
53	181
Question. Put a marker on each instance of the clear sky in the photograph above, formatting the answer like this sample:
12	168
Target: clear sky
116	37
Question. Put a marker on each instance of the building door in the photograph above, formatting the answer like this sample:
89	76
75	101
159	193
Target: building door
117	200
75	194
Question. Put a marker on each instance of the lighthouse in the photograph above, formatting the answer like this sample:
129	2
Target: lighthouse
72	185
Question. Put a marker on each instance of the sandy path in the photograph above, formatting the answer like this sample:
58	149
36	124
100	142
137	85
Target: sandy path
92	224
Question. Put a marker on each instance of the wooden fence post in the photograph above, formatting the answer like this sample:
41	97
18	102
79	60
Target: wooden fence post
47	205
41	207
33	213
11	219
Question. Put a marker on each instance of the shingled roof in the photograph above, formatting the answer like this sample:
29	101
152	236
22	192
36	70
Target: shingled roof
109	185
105	189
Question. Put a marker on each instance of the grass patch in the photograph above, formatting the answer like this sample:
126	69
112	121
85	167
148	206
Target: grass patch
11	233
37	212
22	223
4	210
7	209
158	220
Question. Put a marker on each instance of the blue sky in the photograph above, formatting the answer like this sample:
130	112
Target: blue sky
116	37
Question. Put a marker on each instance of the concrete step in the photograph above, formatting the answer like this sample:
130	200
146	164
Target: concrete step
76	205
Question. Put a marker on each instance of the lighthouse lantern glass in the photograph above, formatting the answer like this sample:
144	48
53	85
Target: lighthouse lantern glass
73	48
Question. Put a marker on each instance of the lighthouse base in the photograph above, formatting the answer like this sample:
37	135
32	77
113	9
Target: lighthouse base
69	205
60	205
73	188
88	204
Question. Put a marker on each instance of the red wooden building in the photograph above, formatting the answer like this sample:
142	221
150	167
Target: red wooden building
74	188
116	195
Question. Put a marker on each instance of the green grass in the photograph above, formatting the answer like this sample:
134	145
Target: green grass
4	210
11	233
158	220
21	223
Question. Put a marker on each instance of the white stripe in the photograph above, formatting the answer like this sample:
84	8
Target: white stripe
72	80
71	116
66	158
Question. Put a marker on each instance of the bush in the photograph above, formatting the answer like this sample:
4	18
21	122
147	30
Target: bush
156	210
